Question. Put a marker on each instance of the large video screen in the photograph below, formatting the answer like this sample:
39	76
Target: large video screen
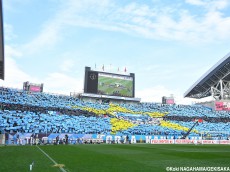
110	84
115	85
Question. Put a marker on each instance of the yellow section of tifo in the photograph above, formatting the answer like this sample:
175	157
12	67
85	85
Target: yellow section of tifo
118	125
116	108
175	126
155	114
96	111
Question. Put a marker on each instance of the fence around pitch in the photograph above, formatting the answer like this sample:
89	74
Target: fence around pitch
51	138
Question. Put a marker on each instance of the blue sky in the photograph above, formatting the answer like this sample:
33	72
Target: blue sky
167	44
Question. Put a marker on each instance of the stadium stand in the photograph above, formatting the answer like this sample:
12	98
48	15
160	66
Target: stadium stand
24	114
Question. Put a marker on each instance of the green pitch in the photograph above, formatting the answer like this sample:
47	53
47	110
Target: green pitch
117	158
108	86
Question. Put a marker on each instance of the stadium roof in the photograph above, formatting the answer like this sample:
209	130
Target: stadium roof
202	87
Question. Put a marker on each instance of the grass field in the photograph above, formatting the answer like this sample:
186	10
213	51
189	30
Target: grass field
109	85
117	158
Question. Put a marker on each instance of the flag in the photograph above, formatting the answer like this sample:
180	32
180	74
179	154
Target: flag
95	66
200	120
103	68
125	69
118	69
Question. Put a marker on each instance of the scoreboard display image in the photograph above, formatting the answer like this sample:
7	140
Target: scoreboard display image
111	84
115	85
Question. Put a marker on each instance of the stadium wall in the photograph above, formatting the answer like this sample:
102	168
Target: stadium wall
108	99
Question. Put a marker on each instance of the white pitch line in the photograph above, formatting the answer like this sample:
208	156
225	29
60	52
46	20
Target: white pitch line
62	169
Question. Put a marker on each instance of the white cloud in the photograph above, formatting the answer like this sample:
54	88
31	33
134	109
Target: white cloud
14	75
195	2
10	5
153	94
54	82
153	23
53	29
189	101
47	38
67	65
137	19
11	52
221	4
62	84
8	32
210	4
138	10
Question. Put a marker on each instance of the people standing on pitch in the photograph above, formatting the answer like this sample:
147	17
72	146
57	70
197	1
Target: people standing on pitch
127	139
66	139
57	140
18	139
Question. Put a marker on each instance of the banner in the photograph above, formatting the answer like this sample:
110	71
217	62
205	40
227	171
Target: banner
35	88
169	101
224	142
162	141
210	142
183	141
219	106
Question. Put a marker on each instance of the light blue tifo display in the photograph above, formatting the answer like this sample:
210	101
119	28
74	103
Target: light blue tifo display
42	118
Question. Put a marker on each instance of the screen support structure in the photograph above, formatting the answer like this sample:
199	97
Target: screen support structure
2	66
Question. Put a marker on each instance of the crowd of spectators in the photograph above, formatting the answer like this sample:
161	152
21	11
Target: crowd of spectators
42	112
